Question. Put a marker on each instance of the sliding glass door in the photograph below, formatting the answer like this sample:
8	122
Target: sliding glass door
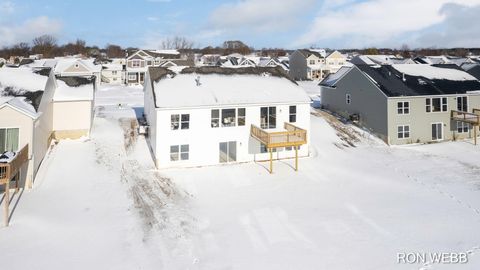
228	152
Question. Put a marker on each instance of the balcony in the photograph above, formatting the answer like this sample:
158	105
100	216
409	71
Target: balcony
293	136
472	118
9	171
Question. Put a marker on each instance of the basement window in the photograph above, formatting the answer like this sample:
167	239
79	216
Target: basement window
179	152
463	127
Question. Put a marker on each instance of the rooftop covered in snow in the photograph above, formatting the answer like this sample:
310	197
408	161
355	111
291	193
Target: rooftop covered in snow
420	80
222	86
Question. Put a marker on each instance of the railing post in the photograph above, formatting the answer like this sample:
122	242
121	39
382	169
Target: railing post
271	160
296	158
6	198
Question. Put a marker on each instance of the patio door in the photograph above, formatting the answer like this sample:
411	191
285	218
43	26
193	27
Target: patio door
437	131
228	152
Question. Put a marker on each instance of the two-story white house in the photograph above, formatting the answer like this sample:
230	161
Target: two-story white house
211	115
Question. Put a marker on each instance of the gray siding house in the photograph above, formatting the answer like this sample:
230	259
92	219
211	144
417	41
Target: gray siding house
404	104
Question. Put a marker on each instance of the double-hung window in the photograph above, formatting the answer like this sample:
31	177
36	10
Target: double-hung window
403	132
403	107
179	152
462	104
463	127
9	139
180	121
348	99
292	114
268	117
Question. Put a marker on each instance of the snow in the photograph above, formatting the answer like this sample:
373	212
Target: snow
7	157
434	73
173	52
215	89
99	203
20	104
68	93
332	78
65	63
21	78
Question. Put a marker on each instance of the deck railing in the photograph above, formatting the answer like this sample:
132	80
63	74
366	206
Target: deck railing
293	136
466	117
9	170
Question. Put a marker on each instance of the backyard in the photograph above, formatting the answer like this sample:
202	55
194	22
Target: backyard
354	204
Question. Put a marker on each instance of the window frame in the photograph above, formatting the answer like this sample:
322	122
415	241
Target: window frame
403	110
217	122
429	104
463	103
5	140
179	153
269	117
181	124
463	127
292	115
348	99
405	134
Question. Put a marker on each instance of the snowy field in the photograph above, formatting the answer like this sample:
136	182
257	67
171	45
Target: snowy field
99	203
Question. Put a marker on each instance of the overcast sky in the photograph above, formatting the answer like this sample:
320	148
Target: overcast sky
259	23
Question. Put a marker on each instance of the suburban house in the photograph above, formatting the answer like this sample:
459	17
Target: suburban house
380	60
77	67
472	69
314	64
139	62
212	115
404	104
35	109
114	72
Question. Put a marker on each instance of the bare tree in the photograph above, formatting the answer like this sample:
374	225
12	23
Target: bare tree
405	51
45	45
79	47
177	43
114	51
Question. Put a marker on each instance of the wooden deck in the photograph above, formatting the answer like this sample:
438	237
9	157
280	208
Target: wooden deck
466	117
293	136
9	171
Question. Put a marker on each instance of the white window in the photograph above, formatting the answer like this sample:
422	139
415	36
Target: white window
268	117
179	121
312	62
228	117
463	127
114	72
136	63
348	99
436	104
462	104
132	76
403	132
9	139
403	107
179	152
292	114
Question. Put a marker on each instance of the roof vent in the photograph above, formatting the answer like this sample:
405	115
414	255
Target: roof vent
197	81
403	77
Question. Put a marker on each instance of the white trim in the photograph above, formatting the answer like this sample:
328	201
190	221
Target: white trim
29	114
403	132
403	108
441	105
240	105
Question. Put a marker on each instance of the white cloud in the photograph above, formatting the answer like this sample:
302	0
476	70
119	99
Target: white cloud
457	30
374	22
25	32
152	19
258	15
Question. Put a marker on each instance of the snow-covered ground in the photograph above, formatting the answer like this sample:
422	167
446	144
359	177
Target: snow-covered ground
99	203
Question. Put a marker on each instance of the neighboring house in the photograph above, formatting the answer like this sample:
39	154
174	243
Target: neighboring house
36	109
206	115
114	72
472	69
314	64
404	104
76	67
2	62
380	60
139	62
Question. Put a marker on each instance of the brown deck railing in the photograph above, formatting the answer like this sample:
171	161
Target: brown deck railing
466	117
9	170
293	136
